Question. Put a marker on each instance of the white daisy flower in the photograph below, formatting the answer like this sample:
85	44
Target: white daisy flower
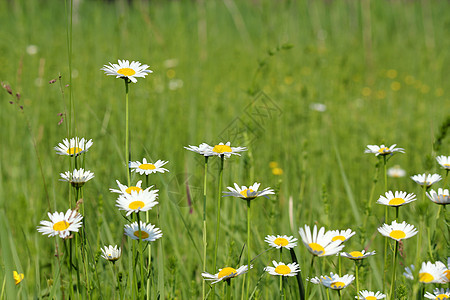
281	241
357	255
438	294
147	167
226	150
75	146
441	197
432	273
249	193
61	224
447	270
409	272
383	150
111	253
396	199
341	235
124	69
282	269
398	231
226	273
337	282
203	149
368	295
320	243
77	178
444	161
123	189
426	179
396	172
315	280
136	202
148	232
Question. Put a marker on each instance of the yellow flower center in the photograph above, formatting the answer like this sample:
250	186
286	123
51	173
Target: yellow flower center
441	297
396	201
397	234
383	150
136	205
245	193
74	150
226	272
281	242
142	234
147	167
371	298
447	274
425	277
446	165
133	188
283	269
356	254
126	71
337	285
222	149
60	226
317	248
338	237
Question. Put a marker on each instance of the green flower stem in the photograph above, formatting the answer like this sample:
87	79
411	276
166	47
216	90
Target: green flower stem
248	246
357	278
385	172
204	230
328	293
447	223
127	134
219	198
228	287
339	265
340	295
397	212
301	289
386	217
147	218
281	287
141	254
445	179
392	293
309	276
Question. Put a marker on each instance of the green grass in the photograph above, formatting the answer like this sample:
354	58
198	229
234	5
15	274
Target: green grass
224	52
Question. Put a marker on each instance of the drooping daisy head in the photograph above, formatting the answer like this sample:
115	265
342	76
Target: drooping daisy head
442	196
426	179
281	269
61	224
432	273
337	282
249	193
111	253
320	243
396	199
281	241
368	295
396	172
77	178
136	202
203	149
123	189
398	231
147	232
438	294
444	161
226	273
226	150
18	277
147	167
383	150
357	255
341	235
74	147
126	70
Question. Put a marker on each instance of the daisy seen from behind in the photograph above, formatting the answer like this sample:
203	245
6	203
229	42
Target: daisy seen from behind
126	70
396	199
147	167
137	201
368	295
396	172
398	231
77	178
444	161
225	274
319	243
281	241
111	253
383	150
438	294
442	196
73	147
203	149
61	224
426	179
282	269
147	232
249	193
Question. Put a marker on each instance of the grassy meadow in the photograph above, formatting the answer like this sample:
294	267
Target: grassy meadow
305	84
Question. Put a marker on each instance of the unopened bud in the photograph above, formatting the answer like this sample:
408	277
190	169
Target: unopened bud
7	88
52	81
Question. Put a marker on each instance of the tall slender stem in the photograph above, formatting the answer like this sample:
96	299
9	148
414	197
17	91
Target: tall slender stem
127	133
248	246
392	293
339	264
281	287
386	217
204	230
219	198
328	294
357	278
141	254
228	287
301	289
309	276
